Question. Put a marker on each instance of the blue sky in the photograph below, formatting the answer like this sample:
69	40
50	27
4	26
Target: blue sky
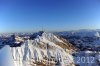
52	15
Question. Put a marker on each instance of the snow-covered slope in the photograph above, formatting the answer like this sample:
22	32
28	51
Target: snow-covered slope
87	43
6	57
45	49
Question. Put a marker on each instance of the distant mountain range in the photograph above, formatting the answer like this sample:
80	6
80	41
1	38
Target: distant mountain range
53	49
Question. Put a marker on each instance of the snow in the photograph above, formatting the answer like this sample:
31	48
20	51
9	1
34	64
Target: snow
6	57
86	58
30	51
88	51
88	44
43	48
97	34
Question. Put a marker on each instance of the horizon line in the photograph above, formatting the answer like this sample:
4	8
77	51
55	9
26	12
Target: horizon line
46	31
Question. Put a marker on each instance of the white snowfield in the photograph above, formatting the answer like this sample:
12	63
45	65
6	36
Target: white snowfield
42	51
6	57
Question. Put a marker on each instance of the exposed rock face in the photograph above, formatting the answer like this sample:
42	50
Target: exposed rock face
45	49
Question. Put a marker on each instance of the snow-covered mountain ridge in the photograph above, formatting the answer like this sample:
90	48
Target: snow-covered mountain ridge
47	49
43	49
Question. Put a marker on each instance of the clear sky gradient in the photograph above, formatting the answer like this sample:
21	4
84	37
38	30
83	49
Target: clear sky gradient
52	15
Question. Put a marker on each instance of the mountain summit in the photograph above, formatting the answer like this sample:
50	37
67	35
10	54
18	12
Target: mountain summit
43	49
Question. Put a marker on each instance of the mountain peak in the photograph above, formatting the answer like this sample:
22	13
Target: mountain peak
45	47
34	35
